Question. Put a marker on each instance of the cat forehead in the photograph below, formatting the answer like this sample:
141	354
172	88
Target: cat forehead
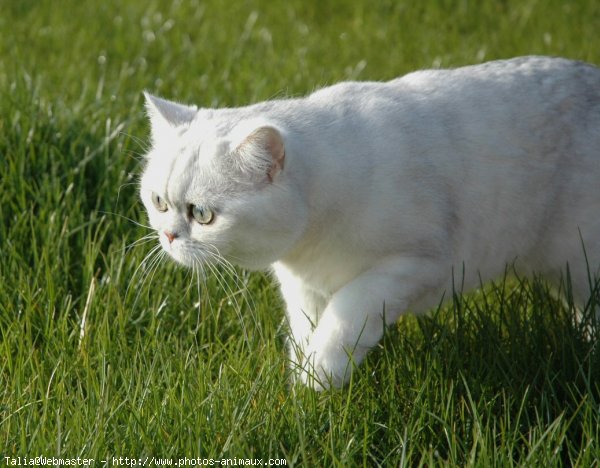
183	164
210	134
201	139
187	160
185	178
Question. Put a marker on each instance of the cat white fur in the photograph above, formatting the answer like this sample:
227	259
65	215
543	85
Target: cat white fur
365	198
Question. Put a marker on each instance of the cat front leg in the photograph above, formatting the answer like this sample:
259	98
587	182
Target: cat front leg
304	306
355	317
302	315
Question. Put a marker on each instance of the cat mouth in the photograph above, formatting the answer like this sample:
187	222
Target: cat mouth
189	260
188	254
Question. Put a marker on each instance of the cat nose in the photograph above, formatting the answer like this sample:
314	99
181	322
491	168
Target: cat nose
171	236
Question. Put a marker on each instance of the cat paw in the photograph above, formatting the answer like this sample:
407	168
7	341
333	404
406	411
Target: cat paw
303	371
332	368
318	375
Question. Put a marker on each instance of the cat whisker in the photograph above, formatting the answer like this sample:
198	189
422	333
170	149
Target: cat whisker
198	305
241	285
137	223
142	240
222	282
207	265
193	271
142	265
143	145
229	268
126	184
230	295
240	288
198	271
215	259
152	268
216	254
139	156
219	260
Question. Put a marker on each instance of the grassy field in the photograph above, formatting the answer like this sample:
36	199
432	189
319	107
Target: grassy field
102	358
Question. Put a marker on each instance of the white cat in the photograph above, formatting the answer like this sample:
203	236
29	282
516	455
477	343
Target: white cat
366	198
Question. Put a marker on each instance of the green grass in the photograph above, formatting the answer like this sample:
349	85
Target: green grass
98	361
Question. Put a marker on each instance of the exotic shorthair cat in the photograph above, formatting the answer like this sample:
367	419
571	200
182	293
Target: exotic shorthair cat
364	198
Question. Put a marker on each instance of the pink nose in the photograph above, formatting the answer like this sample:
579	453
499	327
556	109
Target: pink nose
171	236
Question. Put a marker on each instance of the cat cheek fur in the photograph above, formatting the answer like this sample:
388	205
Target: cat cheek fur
267	219
264	226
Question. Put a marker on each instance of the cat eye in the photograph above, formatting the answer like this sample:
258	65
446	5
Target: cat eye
159	203
202	214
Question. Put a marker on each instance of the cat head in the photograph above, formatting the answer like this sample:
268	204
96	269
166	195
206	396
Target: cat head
216	184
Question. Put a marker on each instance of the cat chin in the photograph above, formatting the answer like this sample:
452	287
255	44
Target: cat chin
184	260
179	254
194	261
188	254
181	259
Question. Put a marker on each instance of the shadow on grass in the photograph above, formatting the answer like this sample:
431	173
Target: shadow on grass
494	369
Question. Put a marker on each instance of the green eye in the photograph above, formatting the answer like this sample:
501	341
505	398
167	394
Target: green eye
159	203
202	214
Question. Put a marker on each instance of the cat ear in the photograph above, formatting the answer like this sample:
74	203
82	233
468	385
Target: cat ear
263	149
165	115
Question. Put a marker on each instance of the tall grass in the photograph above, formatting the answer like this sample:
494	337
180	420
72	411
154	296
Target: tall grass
104	355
